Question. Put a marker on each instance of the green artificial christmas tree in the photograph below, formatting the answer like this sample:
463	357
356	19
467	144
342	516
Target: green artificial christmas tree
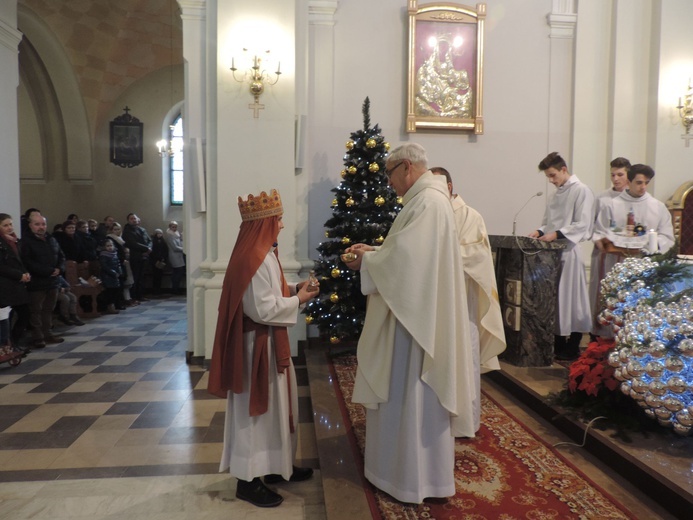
363	209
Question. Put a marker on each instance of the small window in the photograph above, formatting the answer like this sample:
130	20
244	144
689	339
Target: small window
175	137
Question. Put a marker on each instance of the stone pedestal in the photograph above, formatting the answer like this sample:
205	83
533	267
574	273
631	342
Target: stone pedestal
527	273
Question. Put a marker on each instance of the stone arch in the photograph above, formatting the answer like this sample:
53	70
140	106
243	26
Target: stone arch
55	97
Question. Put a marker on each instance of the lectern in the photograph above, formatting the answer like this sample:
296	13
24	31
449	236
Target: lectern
527	273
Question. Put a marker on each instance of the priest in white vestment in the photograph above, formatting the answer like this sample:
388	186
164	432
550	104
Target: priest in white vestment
648	214
415	373
485	319
569	217
601	262
251	361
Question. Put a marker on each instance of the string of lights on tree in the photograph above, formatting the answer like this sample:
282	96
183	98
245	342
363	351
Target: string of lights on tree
649	305
363	209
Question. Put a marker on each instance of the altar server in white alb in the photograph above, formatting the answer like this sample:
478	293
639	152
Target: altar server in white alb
415	373
569	217
251	360
485	319
647	212
601	262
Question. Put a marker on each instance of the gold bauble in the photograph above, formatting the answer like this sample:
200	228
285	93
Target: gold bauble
343	173
380	239
334	340
327	234
350	145
387	146
334	297
309	319
336	273
346	240
335	202
373	167
371	143
379	201
399	200
352	169
349	202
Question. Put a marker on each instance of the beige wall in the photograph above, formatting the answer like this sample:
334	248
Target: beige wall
114	190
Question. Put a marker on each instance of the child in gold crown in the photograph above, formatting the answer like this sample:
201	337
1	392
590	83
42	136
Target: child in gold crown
251	360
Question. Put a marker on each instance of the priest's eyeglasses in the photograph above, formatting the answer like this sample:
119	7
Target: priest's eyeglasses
389	172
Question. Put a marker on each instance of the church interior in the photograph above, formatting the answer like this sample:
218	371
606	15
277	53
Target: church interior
115	422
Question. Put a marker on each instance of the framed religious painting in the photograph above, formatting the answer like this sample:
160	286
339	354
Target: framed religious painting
445	67
126	140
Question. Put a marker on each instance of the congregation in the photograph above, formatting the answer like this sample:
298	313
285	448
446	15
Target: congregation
45	275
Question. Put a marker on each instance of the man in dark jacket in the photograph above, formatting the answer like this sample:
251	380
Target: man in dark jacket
44	260
140	244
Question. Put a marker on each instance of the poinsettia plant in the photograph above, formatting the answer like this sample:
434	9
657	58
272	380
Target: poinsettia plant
591	372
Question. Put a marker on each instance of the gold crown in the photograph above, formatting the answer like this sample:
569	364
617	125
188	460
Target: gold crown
260	206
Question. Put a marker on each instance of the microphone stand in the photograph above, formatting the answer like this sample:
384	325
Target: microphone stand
537	194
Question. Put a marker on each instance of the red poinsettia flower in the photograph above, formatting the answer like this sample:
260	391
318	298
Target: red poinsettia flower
591	372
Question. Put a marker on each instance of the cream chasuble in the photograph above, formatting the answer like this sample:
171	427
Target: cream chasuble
415	372
486	322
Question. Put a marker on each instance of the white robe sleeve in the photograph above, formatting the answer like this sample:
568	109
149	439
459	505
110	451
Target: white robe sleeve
263	301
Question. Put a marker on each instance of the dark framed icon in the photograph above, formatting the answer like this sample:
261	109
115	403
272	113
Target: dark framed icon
126	140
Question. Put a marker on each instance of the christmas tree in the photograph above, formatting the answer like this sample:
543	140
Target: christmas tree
363	209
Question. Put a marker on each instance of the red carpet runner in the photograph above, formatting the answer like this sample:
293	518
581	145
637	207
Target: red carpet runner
505	472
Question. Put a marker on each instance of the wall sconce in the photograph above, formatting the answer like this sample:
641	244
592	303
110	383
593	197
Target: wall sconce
169	148
686	113
257	80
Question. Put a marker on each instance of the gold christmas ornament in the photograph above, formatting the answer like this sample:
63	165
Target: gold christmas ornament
350	145
352	169
380	239
379	201
346	240
371	143
387	146
334	340
349	202
334	202
309	319
327	234
335	273
334	297
399	200
343	173
373	167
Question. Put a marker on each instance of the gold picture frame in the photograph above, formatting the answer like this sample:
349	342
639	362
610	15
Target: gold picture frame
446	43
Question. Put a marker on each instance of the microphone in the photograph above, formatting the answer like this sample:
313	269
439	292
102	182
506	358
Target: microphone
537	194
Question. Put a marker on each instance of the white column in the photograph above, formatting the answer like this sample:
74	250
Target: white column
561	20
9	140
193	15
244	154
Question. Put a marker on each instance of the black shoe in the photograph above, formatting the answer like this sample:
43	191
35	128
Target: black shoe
567	355
76	321
64	319
54	339
299	475
39	343
257	493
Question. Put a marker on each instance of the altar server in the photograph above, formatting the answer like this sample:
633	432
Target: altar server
251	360
569	217
647	213
602	263
415	373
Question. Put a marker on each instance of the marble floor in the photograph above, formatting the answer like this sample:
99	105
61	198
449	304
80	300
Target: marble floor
113	424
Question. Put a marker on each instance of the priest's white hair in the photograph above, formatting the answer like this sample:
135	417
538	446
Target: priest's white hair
412	152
